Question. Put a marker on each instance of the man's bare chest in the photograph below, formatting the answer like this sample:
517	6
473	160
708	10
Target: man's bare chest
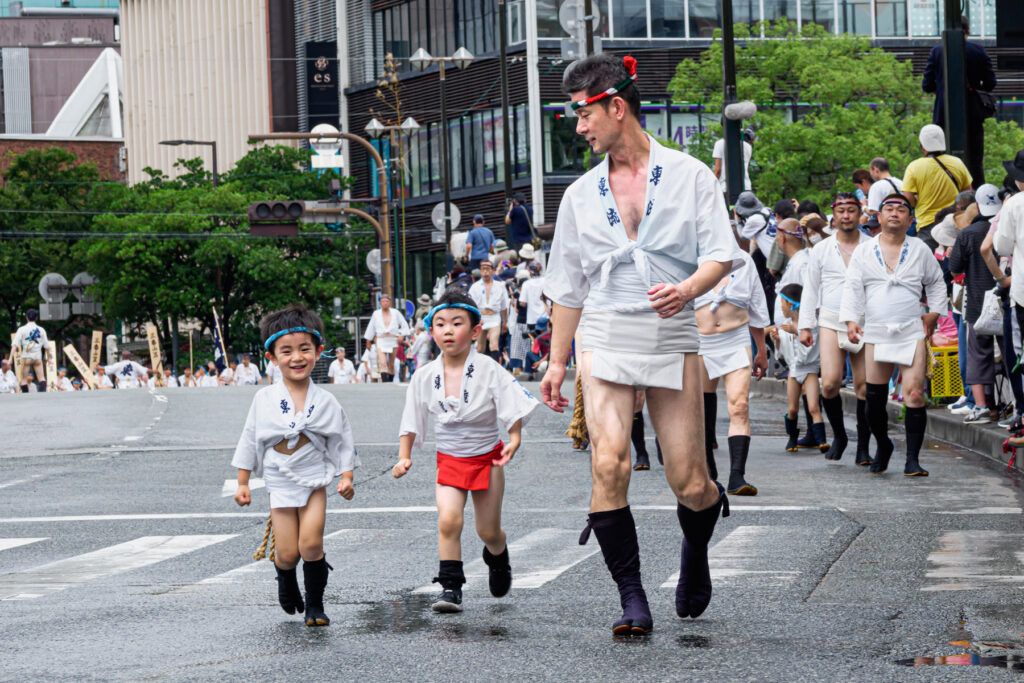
630	192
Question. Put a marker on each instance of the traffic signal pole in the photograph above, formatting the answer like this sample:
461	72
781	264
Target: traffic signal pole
733	161
954	81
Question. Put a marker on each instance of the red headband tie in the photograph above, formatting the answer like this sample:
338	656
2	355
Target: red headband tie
845	200
629	61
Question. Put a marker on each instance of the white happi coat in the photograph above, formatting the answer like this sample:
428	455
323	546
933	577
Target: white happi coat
128	372
31	339
341	371
824	280
890	303
386	335
497	301
8	382
594	266
420	349
466	425
250	377
290	479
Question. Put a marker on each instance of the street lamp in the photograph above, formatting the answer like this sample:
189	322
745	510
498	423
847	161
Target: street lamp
212	144
421	61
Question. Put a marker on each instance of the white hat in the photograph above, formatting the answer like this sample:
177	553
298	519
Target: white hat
527	252
988	200
932	138
945	231
523	275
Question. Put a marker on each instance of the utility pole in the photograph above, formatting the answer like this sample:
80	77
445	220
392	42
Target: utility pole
588	19
733	161
506	127
954	81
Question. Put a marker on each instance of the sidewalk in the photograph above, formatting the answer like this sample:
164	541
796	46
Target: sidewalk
943	425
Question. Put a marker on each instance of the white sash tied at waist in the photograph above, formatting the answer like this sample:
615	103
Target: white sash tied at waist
627	253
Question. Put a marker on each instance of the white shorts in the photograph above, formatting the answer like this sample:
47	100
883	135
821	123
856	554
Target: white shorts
640	350
725	352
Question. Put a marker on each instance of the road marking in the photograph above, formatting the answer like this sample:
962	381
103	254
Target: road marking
741	553
8	484
231	485
536	559
8	543
115	559
132	438
983	511
970	560
738	508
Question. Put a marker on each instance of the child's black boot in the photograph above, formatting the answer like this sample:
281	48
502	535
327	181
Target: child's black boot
288	593
818	429
451	578
314	575
793	431
499	578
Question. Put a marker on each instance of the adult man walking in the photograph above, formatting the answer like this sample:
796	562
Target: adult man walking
933	181
491	298
823	280
341	370
883	284
247	374
624	270
30	339
979	76
479	242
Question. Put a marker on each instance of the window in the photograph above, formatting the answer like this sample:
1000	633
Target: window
891	18
779	9
820	12
855	17
629	18
439	26
704	18
668	19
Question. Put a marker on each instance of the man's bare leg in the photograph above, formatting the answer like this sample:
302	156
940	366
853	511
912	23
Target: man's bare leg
877	396
678	420
609	409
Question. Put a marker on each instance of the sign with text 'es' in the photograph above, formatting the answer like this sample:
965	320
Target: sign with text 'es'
322	82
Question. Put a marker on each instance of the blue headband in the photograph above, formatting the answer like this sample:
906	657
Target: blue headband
277	335
466	307
794	304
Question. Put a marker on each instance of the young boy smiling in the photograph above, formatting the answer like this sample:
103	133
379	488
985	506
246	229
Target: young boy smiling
298	439
468	394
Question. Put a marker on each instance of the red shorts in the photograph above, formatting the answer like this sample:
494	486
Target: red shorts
468	474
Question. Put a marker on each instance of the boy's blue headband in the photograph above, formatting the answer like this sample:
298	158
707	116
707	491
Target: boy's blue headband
466	307
277	335
795	304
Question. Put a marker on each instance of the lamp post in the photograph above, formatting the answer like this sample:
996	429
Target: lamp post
421	61
211	143
375	129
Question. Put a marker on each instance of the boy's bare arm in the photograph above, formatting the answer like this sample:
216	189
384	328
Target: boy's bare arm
242	495
405	443
514	439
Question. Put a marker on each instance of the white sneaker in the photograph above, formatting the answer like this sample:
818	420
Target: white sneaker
1006	423
960	403
978	416
963	410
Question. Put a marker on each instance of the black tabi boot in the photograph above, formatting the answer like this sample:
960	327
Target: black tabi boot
739	446
834	413
499	578
818	429
451	578
710	418
386	377
878	420
636	435
657	445
314	575
616	534
693	592
807	440
24	388
288	593
793	431
863	434
916	421
41	387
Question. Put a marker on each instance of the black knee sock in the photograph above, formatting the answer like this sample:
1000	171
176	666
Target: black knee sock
915	422
863	430
41	386
450	575
710	417
878	419
636	435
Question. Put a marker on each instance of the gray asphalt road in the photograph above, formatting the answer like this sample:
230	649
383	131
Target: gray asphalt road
120	558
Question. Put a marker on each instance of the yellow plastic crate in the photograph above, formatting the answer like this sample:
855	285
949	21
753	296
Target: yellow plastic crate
946	372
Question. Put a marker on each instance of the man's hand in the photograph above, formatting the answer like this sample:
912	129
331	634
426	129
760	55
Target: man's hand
668	299
242	495
401	468
806	337
760	364
773	332
551	387
853	332
788	326
930	320
345	487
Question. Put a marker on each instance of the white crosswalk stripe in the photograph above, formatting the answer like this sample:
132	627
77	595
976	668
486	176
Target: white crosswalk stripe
115	559
742	553
971	560
537	558
8	543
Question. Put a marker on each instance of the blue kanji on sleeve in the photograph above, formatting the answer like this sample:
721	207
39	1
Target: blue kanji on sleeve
656	175
613	217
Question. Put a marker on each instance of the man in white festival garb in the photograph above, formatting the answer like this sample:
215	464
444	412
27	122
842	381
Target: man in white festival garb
1009	235
341	370
103	380
421	346
8	380
30	339
247	374
824	279
727	317
532	294
637	239
883	285
491	298
128	373
386	329
273	374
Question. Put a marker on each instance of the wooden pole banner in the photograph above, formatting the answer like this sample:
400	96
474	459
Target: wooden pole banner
95	350
51	367
16	359
154	354
88	376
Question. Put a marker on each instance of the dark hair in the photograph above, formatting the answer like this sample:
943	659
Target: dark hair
806	207
900	197
943	212
31	314
963	199
455	295
597	73
295	315
793	291
879	163
457	270
519	198
861	175
965	23
784	208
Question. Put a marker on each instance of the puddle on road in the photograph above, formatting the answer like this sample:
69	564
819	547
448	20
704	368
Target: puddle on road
412	614
1011	662
690	641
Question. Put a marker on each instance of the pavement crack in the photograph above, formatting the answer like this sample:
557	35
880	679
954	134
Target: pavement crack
838	556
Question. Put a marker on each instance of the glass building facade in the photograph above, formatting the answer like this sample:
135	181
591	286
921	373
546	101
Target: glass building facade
5	5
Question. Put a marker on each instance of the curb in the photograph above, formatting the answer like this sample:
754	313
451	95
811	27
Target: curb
943	425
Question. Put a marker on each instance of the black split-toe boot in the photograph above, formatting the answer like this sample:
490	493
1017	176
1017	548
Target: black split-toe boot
288	593
808	440
818	428
739	447
863	434
314	575
693	592
834	413
878	419
616	534
916	421
636	436
793	431
499	578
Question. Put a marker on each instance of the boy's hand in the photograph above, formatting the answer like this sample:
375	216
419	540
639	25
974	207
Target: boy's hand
506	453
401	468
242	495
346	489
